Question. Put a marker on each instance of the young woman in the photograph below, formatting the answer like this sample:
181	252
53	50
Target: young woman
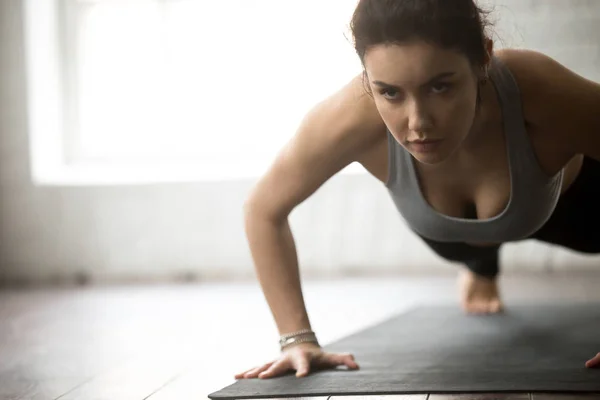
477	148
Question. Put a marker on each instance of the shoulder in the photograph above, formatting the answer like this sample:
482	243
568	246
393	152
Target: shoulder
555	99
350	115
334	133
346	124
545	84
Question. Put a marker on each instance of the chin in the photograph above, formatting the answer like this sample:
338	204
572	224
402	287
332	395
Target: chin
430	158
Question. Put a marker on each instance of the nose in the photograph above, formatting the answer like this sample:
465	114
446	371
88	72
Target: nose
419	119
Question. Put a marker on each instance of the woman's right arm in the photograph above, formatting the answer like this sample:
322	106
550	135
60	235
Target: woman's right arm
331	136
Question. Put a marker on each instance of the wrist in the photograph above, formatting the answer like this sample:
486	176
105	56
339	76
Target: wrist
301	346
297	338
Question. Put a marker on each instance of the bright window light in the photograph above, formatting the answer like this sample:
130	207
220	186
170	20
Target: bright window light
214	86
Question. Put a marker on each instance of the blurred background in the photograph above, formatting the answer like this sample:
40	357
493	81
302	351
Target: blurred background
131	132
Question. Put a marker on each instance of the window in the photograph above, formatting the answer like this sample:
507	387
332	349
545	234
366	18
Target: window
177	89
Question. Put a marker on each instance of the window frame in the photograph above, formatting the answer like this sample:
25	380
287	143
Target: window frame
50	30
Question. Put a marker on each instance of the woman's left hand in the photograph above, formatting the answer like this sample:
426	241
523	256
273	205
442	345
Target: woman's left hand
594	362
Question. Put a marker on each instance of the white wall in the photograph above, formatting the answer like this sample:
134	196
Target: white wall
154	231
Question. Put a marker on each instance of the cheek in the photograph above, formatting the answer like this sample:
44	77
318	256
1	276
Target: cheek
456	115
392	117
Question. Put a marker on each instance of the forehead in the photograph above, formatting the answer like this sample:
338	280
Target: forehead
412	63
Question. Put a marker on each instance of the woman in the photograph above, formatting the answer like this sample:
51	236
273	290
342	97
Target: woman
477	148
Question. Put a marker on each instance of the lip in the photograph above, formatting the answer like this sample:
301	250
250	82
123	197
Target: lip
425	146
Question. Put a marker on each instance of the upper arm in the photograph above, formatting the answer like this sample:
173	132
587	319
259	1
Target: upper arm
330	137
559	101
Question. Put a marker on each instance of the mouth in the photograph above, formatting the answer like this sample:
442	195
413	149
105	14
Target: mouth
425	146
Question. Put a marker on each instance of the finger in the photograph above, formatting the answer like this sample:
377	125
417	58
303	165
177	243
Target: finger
593	362
249	371
256	371
241	374
496	307
480	308
302	366
277	368
333	360
349	361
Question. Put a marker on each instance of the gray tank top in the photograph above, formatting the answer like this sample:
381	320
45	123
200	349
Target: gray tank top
533	196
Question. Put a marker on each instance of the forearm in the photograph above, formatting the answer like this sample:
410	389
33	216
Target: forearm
276	263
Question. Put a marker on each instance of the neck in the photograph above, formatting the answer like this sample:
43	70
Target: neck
487	118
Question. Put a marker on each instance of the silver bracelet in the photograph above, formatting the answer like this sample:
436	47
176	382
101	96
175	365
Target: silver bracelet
304	337
300	332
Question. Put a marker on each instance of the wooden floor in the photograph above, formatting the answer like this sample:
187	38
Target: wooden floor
185	341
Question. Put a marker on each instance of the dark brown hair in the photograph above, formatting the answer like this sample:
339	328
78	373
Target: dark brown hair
452	24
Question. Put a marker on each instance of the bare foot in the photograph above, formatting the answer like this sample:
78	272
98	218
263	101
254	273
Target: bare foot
479	295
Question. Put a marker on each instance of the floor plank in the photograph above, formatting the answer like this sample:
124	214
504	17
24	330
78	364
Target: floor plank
565	396
194	385
40	390
14	389
135	380
185	341
481	396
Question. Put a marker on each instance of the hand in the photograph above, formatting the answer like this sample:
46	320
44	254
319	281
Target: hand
300	358
594	362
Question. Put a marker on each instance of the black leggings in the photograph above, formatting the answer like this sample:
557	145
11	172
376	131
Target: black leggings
578	206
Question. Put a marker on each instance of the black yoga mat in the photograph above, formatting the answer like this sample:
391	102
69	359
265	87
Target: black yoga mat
528	348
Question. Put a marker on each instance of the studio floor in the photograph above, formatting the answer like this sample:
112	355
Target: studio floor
184	341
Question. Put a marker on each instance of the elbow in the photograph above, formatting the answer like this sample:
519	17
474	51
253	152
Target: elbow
250	206
256	209
253	209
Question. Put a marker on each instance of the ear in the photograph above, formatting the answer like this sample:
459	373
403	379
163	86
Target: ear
489	51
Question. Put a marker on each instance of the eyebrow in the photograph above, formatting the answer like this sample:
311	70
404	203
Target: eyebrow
435	78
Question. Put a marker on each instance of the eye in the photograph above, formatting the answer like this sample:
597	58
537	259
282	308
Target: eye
440	87
388	93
